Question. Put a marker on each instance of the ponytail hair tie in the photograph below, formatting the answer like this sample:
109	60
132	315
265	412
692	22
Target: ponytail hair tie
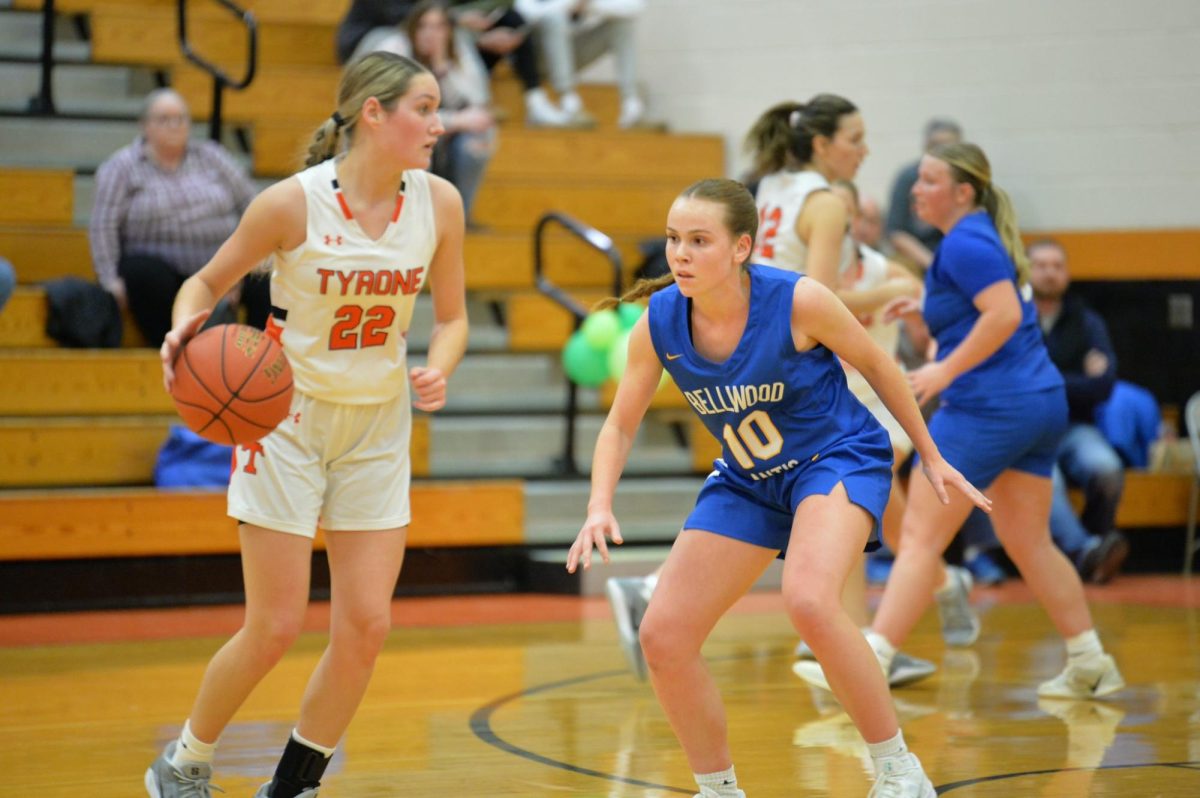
794	118
338	122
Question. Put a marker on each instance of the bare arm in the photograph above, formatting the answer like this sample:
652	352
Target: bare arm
999	316
638	384
275	220
447	282
818	315
821	225
911	247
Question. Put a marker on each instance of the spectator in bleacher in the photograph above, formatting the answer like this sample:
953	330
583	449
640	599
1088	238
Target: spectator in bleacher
163	206
8	281
463	152
367	23
1079	344
500	31
574	33
867	225
912	239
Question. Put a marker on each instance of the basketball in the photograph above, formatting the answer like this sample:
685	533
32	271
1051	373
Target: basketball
233	384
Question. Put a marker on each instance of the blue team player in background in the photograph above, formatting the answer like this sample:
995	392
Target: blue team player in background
805	469
1003	413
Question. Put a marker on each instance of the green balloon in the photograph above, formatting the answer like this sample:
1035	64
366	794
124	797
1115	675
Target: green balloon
601	328
618	356
584	364
629	313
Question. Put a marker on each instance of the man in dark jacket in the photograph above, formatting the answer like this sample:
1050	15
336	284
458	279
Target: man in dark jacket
1079	345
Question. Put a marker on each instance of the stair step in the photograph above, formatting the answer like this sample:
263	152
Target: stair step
82	89
651	509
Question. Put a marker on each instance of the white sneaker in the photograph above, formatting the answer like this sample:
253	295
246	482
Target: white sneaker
811	671
263	792
632	110
960	624
1093	677
629	597
540	111
902	777
902	670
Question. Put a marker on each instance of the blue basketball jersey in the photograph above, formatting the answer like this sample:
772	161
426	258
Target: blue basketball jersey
775	410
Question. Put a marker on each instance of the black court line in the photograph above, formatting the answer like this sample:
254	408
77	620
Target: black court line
481	726
945	788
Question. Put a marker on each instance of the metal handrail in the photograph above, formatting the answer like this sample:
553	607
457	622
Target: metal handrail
220	79
601	243
43	102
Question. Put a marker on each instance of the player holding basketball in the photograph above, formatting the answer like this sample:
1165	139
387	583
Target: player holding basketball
1003	411
805	469
353	239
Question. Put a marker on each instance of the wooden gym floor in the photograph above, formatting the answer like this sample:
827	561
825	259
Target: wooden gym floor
529	696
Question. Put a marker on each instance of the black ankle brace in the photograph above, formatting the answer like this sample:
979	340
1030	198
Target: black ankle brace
300	768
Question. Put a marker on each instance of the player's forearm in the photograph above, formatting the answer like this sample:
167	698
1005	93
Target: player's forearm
447	344
194	296
608	461
888	382
991	330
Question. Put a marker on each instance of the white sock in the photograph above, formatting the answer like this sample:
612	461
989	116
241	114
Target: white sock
328	752
722	784
1084	645
881	645
948	582
191	749
887	750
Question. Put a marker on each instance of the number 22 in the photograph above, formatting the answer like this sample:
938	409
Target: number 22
345	332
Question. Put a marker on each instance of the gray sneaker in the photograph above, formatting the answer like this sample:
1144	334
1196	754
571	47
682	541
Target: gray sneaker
629	597
164	780
262	792
960	625
904	669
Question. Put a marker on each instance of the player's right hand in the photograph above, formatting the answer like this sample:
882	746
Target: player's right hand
176	338
598	525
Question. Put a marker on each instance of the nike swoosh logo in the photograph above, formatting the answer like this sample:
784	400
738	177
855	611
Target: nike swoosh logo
674	357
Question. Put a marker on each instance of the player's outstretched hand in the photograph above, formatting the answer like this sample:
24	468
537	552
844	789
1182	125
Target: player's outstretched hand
597	526
940	474
429	385
174	342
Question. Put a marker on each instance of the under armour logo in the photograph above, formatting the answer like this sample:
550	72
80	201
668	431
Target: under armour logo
333	240
296	419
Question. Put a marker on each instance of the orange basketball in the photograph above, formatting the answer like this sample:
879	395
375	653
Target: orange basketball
233	384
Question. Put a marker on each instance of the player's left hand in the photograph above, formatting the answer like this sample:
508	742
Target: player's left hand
928	381
429	387
940	474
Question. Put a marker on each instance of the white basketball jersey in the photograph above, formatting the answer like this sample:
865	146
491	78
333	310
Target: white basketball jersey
874	272
342	301
781	197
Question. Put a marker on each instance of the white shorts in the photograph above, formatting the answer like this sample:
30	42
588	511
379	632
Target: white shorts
345	467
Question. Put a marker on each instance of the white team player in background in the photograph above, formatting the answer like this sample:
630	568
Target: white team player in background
353	239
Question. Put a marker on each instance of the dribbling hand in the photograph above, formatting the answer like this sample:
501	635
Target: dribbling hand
597	526
174	341
940	474
429	385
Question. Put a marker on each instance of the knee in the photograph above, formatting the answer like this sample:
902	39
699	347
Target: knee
810	606
365	634
664	645
275	635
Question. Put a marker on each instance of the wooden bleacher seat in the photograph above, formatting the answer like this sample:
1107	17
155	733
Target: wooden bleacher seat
314	12
132	522
37	196
23	322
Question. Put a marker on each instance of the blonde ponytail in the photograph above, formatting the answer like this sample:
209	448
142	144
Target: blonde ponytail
382	75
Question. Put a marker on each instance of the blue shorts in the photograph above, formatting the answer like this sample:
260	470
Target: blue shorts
1021	433
761	512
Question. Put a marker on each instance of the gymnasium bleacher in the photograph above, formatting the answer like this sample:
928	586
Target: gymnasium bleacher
79	429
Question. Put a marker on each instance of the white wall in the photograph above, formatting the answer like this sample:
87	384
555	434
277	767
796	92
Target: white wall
1088	109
